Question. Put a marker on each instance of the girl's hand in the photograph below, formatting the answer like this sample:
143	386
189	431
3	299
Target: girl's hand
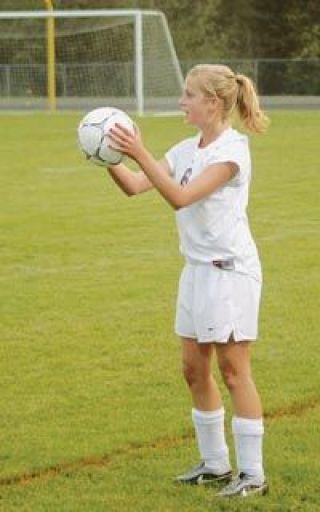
127	142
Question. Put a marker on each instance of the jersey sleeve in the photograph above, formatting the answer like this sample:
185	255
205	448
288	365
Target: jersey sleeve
172	157
176	153
236	152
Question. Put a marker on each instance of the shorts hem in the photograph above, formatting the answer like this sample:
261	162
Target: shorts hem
222	340
184	335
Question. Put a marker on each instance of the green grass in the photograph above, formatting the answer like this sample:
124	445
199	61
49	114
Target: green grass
94	413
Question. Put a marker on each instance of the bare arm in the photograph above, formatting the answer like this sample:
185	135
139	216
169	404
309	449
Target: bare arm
176	195
133	183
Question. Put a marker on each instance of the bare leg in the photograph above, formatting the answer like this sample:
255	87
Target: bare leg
235	367
207	413
197	370
247	424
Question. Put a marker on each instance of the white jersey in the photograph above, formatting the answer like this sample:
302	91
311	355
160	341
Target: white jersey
216	227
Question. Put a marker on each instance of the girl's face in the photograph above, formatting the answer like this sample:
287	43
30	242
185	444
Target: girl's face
197	107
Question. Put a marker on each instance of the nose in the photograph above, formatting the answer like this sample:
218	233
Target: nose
181	101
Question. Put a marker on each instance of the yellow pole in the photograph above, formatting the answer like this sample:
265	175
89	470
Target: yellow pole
51	58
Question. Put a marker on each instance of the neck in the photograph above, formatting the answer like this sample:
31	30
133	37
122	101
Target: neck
211	132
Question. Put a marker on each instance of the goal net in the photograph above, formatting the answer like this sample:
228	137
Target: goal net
121	58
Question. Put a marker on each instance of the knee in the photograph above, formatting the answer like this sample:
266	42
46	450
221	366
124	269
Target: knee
189	373
232	377
193	375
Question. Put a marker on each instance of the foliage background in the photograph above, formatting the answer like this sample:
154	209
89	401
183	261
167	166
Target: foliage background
223	28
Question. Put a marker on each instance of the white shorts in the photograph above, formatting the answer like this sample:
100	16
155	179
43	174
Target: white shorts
214	304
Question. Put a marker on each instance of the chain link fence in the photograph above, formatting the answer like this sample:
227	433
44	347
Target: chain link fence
274	77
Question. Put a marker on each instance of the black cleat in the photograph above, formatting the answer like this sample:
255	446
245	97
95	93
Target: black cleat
244	485
202	475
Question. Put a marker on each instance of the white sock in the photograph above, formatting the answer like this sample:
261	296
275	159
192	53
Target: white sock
248	435
209	427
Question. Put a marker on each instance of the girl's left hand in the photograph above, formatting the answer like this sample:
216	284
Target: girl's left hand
129	143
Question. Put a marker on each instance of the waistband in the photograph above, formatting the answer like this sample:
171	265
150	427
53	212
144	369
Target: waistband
227	264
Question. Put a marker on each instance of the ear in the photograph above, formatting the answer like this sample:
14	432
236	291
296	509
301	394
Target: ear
216	103
212	103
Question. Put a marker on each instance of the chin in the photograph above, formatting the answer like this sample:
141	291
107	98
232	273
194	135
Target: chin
188	119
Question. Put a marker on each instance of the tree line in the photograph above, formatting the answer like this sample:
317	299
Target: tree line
223	28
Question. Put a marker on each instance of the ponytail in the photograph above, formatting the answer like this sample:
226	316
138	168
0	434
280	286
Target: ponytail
250	112
236	91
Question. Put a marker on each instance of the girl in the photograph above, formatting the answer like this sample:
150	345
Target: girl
206	180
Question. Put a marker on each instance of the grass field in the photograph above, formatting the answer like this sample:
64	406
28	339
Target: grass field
94	413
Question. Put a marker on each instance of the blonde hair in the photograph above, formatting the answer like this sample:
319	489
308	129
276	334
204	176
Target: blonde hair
237	92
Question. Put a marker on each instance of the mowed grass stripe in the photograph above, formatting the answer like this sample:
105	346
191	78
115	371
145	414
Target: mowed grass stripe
143	479
135	449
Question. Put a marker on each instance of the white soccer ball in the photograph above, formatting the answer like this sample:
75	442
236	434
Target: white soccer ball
93	134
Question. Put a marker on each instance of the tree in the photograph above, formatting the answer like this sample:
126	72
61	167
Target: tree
211	29
269	28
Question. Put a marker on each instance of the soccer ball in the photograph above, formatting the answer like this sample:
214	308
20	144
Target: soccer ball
93	134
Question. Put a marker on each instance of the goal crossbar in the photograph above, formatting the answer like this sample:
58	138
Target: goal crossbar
78	13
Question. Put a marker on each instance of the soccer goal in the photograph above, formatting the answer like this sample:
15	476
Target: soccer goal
82	59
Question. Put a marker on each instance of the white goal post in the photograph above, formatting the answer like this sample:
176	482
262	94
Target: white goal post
82	59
